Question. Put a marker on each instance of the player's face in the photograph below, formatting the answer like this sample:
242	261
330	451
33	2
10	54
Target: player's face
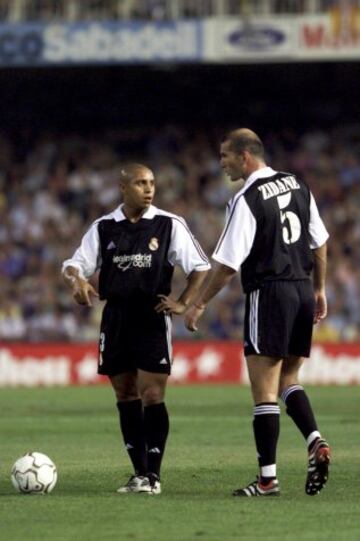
233	164
139	192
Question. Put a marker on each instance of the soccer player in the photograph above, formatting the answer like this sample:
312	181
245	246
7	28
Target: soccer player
274	234
135	248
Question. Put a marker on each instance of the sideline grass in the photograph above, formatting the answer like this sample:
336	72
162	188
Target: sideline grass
210	452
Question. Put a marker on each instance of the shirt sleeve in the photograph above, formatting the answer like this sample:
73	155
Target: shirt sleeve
184	249
87	257
317	229
237	237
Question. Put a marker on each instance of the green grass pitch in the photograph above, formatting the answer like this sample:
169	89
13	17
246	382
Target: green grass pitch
210	452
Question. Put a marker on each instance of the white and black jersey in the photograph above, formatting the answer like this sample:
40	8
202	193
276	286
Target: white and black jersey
136	263
271	228
136	260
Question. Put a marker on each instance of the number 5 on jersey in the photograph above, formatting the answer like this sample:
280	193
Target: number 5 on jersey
291	230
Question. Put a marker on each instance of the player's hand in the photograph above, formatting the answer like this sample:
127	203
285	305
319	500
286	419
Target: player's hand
320	306
192	317
83	291
170	306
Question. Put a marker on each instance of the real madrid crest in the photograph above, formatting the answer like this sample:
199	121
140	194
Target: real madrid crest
154	244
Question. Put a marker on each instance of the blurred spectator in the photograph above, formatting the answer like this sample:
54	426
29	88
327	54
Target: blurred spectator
52	187
343	12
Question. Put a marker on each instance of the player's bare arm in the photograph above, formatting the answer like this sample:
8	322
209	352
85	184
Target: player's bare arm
82	290
220	277
187	297
320	258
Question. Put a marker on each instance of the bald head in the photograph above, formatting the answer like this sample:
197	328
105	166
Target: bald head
241	153
131	170
245	139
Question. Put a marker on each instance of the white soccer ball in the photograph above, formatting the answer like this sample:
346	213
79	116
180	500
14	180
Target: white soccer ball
34	473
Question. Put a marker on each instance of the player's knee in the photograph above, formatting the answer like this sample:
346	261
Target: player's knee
125	387
126	392
266	398
262	394
151	395
126	396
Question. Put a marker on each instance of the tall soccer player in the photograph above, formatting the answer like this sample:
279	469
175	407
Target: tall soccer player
274	234
136	248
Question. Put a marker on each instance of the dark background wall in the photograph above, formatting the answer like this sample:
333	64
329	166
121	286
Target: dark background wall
295	96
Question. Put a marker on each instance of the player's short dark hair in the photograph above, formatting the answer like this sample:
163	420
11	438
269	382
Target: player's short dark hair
128	171
241	140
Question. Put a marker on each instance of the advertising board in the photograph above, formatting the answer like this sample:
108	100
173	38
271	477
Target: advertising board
32	365
33	44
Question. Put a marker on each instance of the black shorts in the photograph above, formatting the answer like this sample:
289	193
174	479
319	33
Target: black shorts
279	319
134	338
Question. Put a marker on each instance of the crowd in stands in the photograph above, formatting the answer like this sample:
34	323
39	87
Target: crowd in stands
53	186
96	10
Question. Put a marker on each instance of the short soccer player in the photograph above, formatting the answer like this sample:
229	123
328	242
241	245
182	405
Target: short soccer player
136	248
275	235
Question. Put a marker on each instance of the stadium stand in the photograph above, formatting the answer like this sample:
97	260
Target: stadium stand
53	186
88	10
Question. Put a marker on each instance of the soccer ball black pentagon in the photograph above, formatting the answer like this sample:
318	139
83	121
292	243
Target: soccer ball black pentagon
34	473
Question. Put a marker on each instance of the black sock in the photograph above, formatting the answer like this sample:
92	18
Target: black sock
266	426
298	407
132	428
156	422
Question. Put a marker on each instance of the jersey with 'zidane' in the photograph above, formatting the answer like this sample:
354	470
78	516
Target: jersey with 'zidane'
136	260
272	226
